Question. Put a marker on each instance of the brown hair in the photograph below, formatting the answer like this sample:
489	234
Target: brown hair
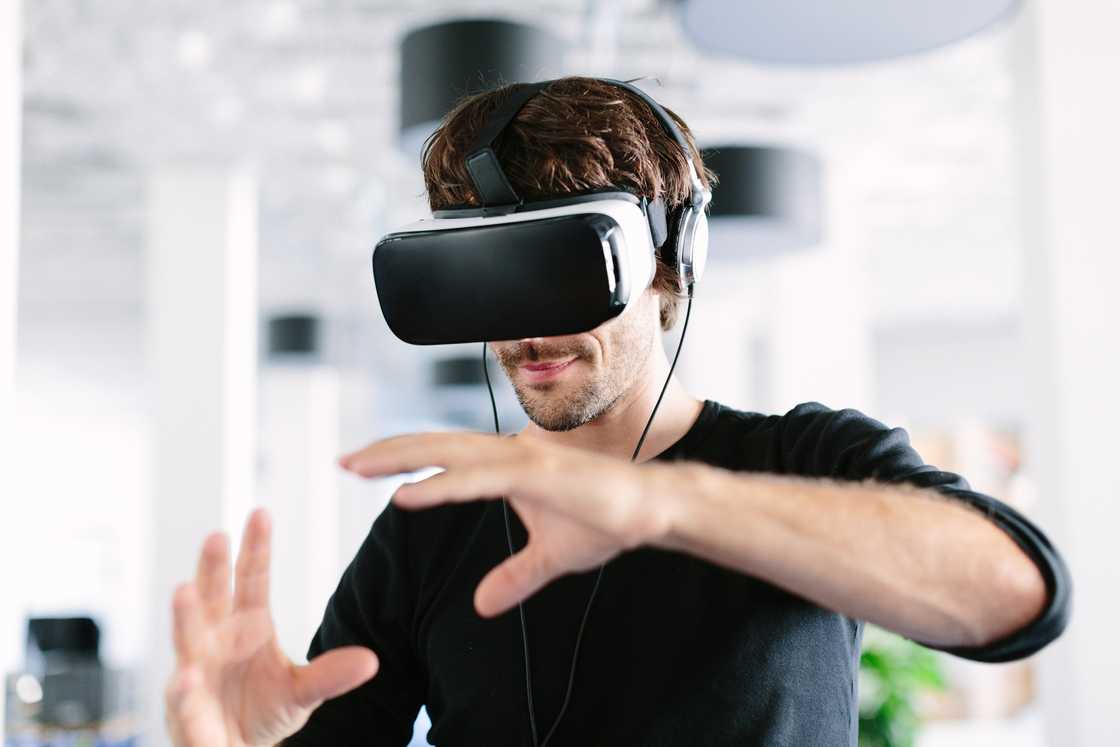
577	134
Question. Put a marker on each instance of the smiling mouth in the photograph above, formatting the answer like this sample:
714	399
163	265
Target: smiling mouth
545	370
547	365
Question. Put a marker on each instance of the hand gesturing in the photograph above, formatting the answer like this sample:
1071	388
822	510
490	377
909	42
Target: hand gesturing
233	686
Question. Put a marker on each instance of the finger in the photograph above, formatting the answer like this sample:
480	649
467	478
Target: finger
193	714
213	577
178	696
251	583
332	673
409	453
459	485
188	629
514	581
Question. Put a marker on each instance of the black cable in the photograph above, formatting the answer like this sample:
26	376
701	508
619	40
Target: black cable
509	542
673	365
599	576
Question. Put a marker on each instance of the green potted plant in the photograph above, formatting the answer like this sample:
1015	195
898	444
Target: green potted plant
893	672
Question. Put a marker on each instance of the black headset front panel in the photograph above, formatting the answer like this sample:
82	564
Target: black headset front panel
534	279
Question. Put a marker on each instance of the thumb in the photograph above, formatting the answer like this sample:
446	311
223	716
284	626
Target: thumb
514	581
332	673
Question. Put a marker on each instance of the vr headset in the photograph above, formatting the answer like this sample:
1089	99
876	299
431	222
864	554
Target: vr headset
513	269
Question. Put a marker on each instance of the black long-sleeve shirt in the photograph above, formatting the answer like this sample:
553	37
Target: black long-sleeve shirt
677	650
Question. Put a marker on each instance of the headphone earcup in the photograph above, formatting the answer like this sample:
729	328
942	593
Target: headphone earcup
691	244
700	247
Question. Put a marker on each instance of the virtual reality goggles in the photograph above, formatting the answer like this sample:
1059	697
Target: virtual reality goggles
513	269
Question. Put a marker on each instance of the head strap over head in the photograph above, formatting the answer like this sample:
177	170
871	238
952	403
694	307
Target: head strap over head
486	172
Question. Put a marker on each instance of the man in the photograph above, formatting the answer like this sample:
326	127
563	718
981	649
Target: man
739	556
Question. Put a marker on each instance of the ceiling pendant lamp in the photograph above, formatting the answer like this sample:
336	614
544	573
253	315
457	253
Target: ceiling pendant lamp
768	201
445	61
837	32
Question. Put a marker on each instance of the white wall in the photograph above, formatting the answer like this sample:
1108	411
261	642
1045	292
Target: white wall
936	372
80	504
10	101
1069	119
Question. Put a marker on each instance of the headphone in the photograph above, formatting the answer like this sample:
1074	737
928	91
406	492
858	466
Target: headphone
680	235
680	238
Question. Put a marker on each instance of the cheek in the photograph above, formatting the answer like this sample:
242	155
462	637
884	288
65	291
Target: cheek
622	343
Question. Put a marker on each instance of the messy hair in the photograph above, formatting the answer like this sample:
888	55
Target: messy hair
577	134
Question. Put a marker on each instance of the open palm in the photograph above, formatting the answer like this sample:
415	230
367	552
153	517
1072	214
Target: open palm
233	686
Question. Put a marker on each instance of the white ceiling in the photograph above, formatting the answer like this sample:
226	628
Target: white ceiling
919	151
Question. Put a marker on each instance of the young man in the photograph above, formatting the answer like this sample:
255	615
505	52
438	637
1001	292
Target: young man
742	551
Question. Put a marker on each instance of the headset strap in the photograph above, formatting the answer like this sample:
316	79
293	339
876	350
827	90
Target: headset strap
486	172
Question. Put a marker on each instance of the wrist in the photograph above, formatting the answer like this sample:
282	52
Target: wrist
677	491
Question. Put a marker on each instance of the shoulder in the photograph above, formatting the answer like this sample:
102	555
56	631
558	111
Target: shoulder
813	439
808	420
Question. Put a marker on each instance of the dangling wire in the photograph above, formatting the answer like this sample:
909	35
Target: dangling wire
673	365
493	405
599	575
509	542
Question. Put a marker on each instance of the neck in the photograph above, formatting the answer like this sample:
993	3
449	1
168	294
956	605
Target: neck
616	432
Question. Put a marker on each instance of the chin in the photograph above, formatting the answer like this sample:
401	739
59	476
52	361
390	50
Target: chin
562	410
556	422
549	408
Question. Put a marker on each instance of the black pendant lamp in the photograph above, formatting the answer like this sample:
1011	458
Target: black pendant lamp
768	201
292	336
464	370
445	61
837	32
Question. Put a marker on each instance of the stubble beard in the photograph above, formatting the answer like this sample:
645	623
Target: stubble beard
550	410
564	406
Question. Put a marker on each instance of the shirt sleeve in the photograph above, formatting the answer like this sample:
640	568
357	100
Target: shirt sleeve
371	607
846	444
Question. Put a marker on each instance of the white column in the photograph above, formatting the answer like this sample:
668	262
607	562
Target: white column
1070	118
202	337
300	485
11	38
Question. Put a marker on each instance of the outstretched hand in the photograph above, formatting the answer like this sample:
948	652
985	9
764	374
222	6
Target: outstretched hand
580	508
233	686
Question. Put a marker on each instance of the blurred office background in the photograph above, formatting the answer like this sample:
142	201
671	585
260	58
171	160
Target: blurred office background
917	219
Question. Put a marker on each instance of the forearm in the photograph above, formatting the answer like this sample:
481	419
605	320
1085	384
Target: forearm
904	558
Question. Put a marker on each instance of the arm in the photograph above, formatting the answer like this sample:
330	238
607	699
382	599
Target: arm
904	558
866	528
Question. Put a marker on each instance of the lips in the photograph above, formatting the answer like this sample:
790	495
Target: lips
545	370
547	366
